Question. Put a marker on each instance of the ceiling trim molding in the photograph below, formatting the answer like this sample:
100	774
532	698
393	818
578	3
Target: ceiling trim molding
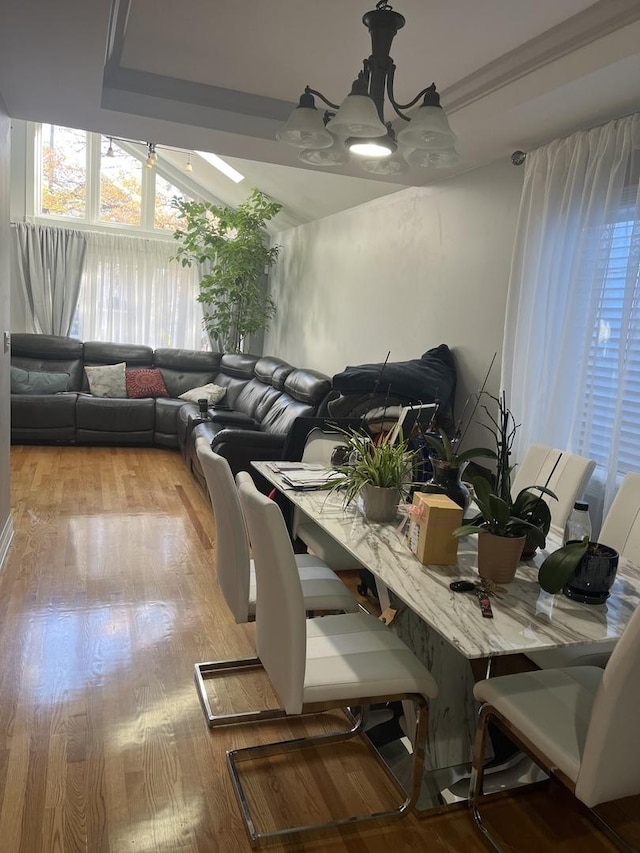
133	81
599	20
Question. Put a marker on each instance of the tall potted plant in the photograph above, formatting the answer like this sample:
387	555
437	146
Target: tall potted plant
504	523
231	248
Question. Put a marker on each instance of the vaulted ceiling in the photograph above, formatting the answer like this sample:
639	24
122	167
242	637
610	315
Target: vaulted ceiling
222	76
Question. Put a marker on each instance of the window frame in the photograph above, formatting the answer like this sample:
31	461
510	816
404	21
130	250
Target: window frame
166	170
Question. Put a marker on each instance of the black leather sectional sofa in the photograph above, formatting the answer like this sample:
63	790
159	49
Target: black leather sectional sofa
263	398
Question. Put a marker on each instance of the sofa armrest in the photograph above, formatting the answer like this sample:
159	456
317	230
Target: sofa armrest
233	418
240	447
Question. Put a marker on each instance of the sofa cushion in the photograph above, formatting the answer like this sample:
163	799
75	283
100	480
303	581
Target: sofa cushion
38	381
307	386
145	382
105	415
52	353
210	392
186	369
36	417
108	380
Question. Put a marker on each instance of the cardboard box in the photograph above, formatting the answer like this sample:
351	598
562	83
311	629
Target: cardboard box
430	527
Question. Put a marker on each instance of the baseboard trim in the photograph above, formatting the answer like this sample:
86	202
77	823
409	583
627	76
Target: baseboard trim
6	537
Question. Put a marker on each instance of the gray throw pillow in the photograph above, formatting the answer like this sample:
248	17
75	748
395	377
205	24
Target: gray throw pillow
108	380
38	381
211	392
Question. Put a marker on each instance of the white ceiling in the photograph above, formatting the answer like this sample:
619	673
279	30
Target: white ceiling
222	75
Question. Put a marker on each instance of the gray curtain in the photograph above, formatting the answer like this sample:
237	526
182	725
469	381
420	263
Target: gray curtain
47	265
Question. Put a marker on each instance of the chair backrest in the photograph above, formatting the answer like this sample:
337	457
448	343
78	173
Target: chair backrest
610	766
621	527
568	481
280	614
301	428
232	545
320	444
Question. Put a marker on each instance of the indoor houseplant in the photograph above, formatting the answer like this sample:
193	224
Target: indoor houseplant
448	461
449	464
503	522
582	569
379	472
231	247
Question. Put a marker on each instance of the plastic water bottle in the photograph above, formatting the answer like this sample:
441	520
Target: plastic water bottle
578	524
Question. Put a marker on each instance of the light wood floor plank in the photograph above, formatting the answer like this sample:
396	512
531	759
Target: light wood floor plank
107	600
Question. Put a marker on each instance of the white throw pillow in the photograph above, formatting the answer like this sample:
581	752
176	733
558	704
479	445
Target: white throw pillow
212	393
107	381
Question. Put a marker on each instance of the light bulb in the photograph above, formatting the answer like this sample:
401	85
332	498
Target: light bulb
189	165
110	152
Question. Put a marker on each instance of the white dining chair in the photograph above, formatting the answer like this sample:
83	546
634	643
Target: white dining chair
338	661
577	723
567	473
620	530
319	444
322	590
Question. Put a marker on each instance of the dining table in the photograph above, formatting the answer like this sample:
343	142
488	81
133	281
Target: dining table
447	630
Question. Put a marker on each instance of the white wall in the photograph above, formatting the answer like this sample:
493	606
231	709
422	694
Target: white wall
404	273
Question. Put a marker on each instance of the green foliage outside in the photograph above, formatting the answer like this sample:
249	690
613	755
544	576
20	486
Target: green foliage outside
231	248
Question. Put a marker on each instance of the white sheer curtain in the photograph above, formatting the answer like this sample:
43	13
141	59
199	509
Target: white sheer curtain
571	358
132	292
47	263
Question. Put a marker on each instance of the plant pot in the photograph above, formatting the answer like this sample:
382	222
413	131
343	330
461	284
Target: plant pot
594	576
446	480
379	503
530	547
498	556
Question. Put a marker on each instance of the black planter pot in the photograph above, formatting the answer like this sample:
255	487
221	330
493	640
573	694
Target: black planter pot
594	576
446	480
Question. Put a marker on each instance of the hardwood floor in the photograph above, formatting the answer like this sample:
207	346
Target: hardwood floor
107	600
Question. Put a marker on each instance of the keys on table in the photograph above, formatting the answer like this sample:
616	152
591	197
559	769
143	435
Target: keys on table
482	590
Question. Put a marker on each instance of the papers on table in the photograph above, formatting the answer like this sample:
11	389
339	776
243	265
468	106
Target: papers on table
305	475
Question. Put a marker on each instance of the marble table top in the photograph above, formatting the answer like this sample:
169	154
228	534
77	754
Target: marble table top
526	618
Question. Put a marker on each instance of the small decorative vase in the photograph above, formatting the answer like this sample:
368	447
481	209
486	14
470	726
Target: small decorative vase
446	480
498	556
594	576
379	503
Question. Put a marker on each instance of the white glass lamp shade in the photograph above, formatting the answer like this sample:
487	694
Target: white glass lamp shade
393	165
432	159
429	129
335	155
304	128
357	116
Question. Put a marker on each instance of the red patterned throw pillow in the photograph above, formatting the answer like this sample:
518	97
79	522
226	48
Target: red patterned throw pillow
145	382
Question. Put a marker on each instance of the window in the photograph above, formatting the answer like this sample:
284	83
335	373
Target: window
98	180
611	415
63	172
166	216
120	186
132	289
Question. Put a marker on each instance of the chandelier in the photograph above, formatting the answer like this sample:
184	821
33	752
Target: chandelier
357	127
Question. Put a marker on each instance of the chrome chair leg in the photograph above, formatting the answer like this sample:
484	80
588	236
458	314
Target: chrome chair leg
477	776
211	669
237	756
486	715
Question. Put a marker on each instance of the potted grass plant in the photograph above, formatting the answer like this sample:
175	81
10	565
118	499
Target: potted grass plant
378	472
